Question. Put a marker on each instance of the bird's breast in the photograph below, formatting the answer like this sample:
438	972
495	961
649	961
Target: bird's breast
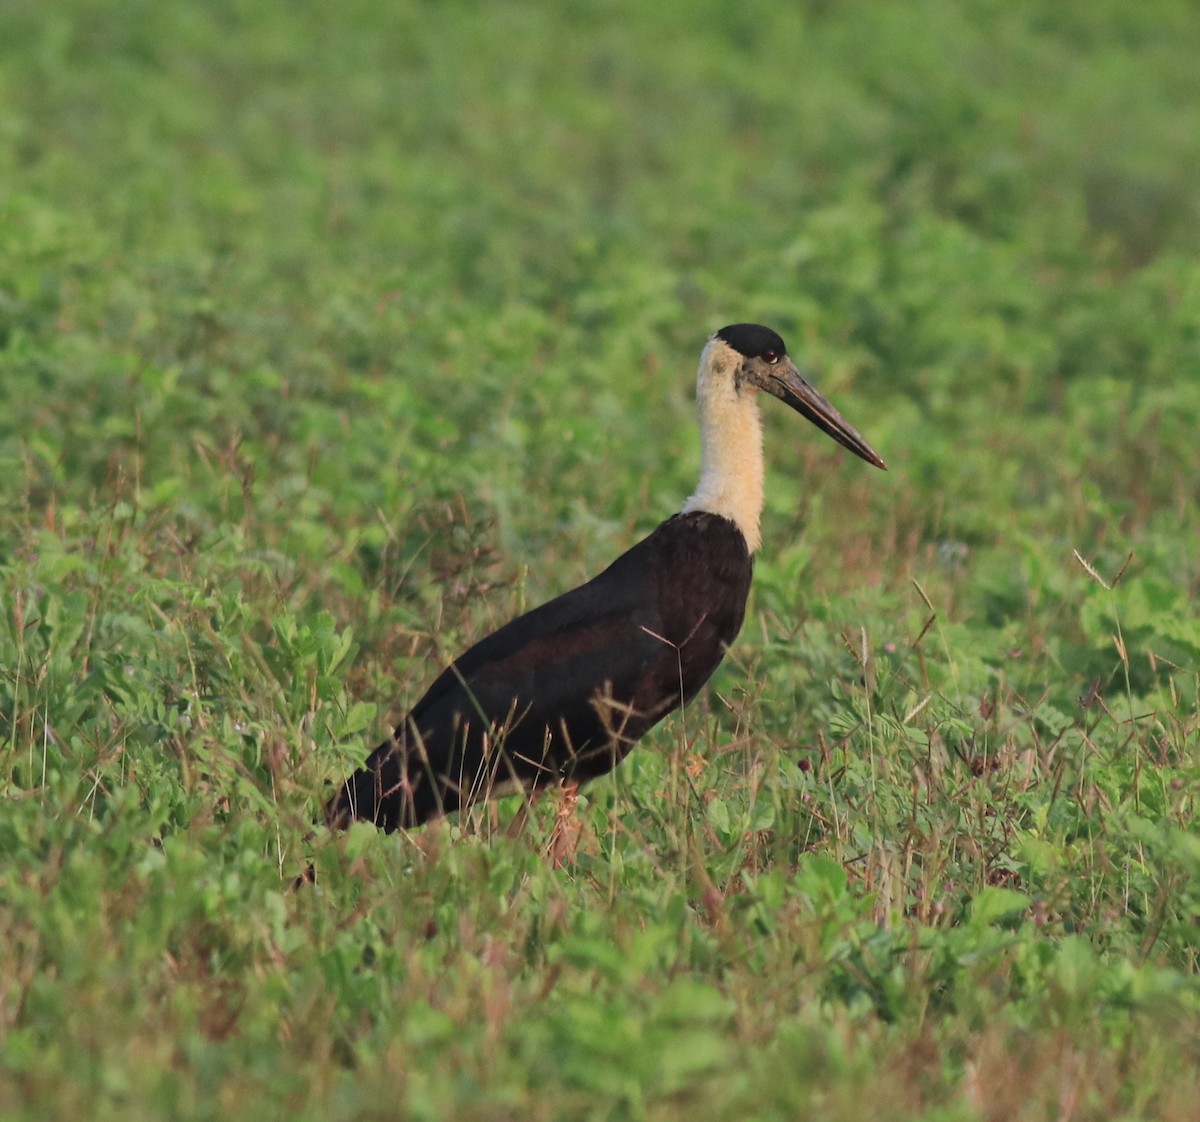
704	572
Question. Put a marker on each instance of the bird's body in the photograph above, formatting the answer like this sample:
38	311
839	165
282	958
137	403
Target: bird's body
563	692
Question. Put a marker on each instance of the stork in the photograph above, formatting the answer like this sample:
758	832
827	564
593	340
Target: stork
562	693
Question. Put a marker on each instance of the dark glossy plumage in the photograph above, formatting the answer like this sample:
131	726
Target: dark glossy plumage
564	691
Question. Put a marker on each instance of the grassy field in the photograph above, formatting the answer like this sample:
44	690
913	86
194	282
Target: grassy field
331	335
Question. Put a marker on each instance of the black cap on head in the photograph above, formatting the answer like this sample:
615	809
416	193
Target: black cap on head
752	339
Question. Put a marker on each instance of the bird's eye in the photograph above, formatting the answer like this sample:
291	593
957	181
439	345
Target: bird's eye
770	358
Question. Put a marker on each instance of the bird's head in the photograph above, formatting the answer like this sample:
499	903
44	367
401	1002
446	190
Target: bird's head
747	357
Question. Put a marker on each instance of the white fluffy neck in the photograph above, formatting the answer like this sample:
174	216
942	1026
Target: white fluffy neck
731	458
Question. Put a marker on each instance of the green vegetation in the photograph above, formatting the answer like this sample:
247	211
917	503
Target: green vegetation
331	335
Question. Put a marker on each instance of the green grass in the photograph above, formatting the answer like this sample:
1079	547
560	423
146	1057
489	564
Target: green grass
333	335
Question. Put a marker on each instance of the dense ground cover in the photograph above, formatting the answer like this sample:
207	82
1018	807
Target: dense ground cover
331	335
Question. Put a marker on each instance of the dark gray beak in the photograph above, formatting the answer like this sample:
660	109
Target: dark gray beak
787	383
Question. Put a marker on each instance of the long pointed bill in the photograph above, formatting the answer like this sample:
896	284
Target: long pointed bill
789	385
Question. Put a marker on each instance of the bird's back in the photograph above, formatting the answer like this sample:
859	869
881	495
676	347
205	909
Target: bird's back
564	691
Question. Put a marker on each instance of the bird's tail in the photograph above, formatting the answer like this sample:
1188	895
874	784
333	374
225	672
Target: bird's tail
383	791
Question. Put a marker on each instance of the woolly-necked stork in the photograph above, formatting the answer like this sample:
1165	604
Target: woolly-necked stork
562	693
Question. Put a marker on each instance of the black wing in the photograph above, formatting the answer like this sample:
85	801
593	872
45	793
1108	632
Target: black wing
523	706
566	689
